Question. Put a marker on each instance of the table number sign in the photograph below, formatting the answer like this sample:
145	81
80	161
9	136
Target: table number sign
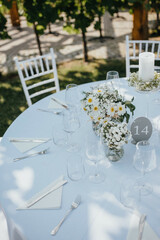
141	129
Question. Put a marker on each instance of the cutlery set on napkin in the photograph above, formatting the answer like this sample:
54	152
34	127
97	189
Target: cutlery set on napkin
139	229
55	104
26	145
48	198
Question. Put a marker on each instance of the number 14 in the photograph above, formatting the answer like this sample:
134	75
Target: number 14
144	130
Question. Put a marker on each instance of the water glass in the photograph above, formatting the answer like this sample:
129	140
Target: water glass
144	161
145	157
95	153
112	75
72	95
59	136
75	167
71	126
129	194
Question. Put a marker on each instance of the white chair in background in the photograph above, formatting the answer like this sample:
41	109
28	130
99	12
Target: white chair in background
34	68
135	47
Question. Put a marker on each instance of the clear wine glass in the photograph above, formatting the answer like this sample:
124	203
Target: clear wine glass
59	136
71	125
72	99
129	196
75	167
144	161
95	153
72	95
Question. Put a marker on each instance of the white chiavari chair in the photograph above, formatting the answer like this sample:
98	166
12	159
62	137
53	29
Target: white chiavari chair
135	47
34	68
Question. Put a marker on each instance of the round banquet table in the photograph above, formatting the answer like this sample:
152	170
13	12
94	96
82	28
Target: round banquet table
100	216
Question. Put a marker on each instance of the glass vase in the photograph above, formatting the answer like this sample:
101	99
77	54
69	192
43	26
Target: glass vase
96	127
114	154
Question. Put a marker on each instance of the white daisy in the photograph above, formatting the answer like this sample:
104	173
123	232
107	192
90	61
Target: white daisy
111	110
121	109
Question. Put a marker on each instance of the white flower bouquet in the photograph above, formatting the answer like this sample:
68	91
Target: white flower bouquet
111	112
115	135
103	104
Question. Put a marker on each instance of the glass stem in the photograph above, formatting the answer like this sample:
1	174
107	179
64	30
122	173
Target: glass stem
69	134
96	169
143	171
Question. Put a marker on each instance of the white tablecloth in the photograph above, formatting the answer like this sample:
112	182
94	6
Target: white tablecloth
100	216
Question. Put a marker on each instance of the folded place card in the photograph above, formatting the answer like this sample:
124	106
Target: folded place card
47	199
148	233
23	145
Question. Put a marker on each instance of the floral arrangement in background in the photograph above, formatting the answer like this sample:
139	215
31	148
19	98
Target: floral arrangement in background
110	112
144	86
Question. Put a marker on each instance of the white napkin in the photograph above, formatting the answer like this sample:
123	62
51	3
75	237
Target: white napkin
25	146
148	233
53	104
50	201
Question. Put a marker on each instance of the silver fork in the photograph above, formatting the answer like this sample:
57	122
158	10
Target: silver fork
49	111
74	205
141	226
31	155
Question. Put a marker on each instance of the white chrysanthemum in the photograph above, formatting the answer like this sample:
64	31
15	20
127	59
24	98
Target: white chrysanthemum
105	120
111	110
95	108
90	99
97	91
98	118
121	109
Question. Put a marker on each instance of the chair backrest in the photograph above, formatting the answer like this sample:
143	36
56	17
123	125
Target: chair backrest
34	68
135	47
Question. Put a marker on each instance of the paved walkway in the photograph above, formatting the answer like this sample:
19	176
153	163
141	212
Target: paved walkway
67	46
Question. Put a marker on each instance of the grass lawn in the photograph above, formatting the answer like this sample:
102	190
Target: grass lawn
12	99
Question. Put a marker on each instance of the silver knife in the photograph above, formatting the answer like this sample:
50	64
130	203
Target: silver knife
29	140
141	226
58	185
63	105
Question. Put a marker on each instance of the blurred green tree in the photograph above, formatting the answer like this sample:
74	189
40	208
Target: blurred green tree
40	13
78	17
4	5
97	8
3	28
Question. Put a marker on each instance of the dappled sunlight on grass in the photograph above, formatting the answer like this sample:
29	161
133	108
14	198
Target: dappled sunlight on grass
12	99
